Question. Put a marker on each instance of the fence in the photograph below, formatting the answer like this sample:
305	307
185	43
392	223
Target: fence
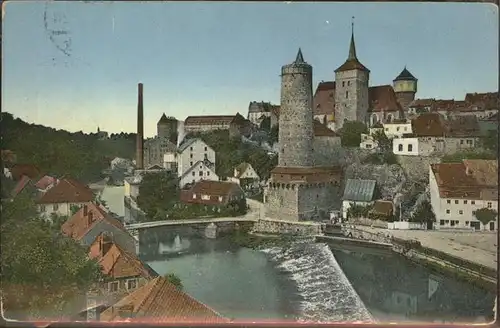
403	225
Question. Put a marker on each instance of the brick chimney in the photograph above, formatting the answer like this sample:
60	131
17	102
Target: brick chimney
139	156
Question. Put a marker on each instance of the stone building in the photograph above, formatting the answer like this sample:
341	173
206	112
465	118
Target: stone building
257	111
298	190
155	149
166	128
350	98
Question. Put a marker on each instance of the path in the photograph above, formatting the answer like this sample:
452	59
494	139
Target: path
478	247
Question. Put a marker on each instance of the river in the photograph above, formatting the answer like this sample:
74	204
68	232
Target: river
310	281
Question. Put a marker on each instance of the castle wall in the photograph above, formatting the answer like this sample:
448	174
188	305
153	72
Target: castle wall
284	227
327	151
281	202
316	201
296	117
351	96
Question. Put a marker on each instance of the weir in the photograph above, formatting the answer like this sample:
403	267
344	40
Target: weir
327	294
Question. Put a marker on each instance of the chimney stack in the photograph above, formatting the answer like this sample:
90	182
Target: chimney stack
139	160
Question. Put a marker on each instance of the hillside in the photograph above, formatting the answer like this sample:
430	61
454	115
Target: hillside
59	152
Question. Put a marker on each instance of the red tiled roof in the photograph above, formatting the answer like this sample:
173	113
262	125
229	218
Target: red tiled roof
428	125
320	130
324	98
116	262
422	102
67	191
45	182
20	185
383	98
214	189
79	224
162	302
454	181
483	101
30	170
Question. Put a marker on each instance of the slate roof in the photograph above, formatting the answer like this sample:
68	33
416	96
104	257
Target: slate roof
187	143
359	190
160	301
405	75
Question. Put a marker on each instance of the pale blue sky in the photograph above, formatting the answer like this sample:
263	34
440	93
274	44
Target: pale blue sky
214	58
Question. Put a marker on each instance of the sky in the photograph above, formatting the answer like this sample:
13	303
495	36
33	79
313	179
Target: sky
76	65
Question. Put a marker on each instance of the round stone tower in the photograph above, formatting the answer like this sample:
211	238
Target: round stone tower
296	115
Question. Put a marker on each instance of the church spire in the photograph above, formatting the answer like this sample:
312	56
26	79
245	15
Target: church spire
352	47
300	58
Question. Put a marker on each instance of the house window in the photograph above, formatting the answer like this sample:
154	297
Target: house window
460	212
448	201
348	82
347	94
200	173
131	284
191	148
441	222
489	204
400	147
191	156
447	211
461	142
452	223
193	174
208	173
456	201
206	148
465	201
466	223
113	286
473	202
55	207
397	129
410	148
343	83
190	164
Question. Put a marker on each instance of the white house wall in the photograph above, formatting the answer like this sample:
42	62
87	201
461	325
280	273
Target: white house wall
188	157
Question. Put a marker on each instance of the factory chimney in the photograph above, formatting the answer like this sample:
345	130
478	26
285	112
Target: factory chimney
139	160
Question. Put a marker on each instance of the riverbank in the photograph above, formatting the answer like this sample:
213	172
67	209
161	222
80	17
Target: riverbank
447	259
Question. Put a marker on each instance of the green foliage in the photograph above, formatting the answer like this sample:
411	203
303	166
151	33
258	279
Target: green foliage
378	216
490	141
380	158
174	280
158	192
424	213
41	269
266	124
486	215
351	133
460	156
384	143
358	211
81	156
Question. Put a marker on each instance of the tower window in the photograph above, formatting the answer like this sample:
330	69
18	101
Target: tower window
343	83
348	82
347	94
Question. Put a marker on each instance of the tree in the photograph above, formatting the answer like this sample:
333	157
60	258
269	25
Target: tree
423	213
265	124
350	135
273	134
358	211
485	215
158	192
384	143
42	270
174	280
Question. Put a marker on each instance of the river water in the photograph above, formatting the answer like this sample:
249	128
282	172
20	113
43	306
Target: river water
309	281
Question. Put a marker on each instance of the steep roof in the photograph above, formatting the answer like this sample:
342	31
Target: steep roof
188	142
80	224
241	168
206	163
462	126
214	188
352	61
29	170
165	119
383	98
67	191
21	185
471	179
160	301
428	125
117	263
359	190
405	75
324	98
45	182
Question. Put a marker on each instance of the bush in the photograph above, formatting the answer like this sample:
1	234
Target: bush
174	280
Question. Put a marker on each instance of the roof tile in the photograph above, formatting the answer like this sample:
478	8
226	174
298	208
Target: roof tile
67	191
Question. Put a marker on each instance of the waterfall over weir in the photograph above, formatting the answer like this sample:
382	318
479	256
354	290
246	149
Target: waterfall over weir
327	295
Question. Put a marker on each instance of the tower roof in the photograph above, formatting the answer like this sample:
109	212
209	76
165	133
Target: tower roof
300	58
165	119
405	75
352	62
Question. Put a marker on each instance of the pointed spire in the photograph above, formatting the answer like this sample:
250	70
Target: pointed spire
352	47
300	58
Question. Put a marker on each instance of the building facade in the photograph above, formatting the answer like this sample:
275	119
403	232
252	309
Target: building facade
458	190
192	151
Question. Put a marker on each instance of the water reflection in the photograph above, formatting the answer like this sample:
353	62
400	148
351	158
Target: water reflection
393	288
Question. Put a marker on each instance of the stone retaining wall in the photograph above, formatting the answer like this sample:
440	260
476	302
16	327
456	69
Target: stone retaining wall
286	227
